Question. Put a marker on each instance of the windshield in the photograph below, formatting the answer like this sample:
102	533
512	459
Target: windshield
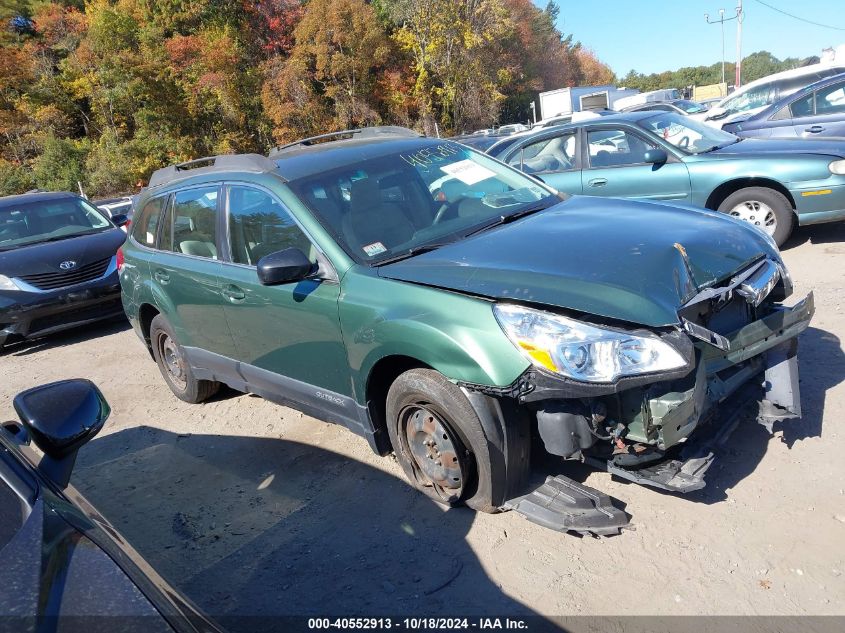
436	193
756	97
690	107
686	134
46	220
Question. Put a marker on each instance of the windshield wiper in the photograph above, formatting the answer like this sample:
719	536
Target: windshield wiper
512	217
718	146
416	250
57	238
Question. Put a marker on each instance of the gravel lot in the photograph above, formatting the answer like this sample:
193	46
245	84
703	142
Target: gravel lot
251	508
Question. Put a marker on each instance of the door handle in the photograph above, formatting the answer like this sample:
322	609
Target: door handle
597	182
161	276
233	293
814	129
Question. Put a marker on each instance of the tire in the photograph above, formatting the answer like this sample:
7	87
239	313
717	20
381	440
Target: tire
170	358
421	403
757	203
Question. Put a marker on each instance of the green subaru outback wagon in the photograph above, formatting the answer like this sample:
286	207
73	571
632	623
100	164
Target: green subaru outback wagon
458	313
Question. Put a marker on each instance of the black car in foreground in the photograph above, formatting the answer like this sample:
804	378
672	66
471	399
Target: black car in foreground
63	567
58	264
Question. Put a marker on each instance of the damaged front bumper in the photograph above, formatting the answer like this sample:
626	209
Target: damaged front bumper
679	423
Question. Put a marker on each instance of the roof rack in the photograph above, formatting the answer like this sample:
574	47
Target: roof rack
365	132
207	164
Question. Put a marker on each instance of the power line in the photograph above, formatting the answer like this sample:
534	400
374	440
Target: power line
800	19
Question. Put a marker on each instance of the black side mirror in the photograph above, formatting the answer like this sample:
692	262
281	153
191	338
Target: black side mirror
655	156
60	417
284	267
121	219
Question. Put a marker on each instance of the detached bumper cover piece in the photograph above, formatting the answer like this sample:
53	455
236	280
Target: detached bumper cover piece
567	506
782	393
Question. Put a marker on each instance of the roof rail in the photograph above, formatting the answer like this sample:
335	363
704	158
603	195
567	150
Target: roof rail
365	132
207	164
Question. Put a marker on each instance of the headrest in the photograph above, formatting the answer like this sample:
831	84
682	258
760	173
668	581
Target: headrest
364	195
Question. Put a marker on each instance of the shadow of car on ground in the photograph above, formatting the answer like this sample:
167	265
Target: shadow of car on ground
72	336
253	528
828	233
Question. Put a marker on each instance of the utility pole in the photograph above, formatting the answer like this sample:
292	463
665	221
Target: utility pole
740	16
721	21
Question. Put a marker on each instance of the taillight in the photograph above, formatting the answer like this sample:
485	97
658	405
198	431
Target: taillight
119	260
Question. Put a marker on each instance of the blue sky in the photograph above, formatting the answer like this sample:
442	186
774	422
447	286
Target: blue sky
655	35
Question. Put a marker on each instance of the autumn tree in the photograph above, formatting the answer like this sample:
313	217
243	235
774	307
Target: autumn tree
340	48
592	71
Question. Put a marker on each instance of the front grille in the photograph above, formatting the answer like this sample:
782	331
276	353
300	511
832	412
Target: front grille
62	279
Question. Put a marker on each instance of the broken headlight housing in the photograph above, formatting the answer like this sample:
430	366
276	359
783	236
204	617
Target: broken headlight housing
582	351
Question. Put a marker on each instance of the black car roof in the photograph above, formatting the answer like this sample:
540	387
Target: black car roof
302	158
301	162
36	196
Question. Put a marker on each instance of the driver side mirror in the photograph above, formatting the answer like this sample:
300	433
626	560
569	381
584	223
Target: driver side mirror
121	219
60	417
284	267
655	156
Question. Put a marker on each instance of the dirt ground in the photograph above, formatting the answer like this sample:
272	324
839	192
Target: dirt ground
251	508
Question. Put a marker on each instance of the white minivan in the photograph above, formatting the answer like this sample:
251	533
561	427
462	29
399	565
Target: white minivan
754	96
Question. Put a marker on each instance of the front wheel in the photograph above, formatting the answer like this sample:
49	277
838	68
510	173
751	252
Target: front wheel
765	208
438	440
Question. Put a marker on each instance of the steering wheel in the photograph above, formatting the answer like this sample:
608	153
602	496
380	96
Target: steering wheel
684	142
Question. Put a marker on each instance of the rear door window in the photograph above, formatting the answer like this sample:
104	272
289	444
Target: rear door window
802	106
191	225
148	222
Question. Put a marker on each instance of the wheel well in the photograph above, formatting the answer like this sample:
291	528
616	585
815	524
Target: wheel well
145	316
721	192
382	375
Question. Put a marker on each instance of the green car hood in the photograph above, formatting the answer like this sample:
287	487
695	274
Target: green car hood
620	259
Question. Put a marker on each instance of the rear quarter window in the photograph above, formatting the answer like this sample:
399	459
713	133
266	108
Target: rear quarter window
148	222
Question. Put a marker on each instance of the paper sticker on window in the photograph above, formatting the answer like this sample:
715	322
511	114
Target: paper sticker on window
374	249
468	172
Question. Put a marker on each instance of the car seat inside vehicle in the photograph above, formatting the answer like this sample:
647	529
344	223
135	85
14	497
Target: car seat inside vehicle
371	220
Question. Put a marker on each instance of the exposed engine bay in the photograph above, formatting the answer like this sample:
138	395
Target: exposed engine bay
661	432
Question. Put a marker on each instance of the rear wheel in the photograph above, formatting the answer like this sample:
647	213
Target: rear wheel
765	208
438	440
174	367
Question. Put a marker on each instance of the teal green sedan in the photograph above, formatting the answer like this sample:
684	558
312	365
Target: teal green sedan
773	184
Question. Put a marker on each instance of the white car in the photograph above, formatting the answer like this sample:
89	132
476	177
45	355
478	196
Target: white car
754	96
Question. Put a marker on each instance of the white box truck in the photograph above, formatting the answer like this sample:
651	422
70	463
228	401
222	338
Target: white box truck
565	101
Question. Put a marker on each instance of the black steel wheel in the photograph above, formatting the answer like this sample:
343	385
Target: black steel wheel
438	440
437	454
174	367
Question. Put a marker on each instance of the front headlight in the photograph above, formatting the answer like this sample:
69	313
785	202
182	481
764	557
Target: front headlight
837	167
581	351
7	284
